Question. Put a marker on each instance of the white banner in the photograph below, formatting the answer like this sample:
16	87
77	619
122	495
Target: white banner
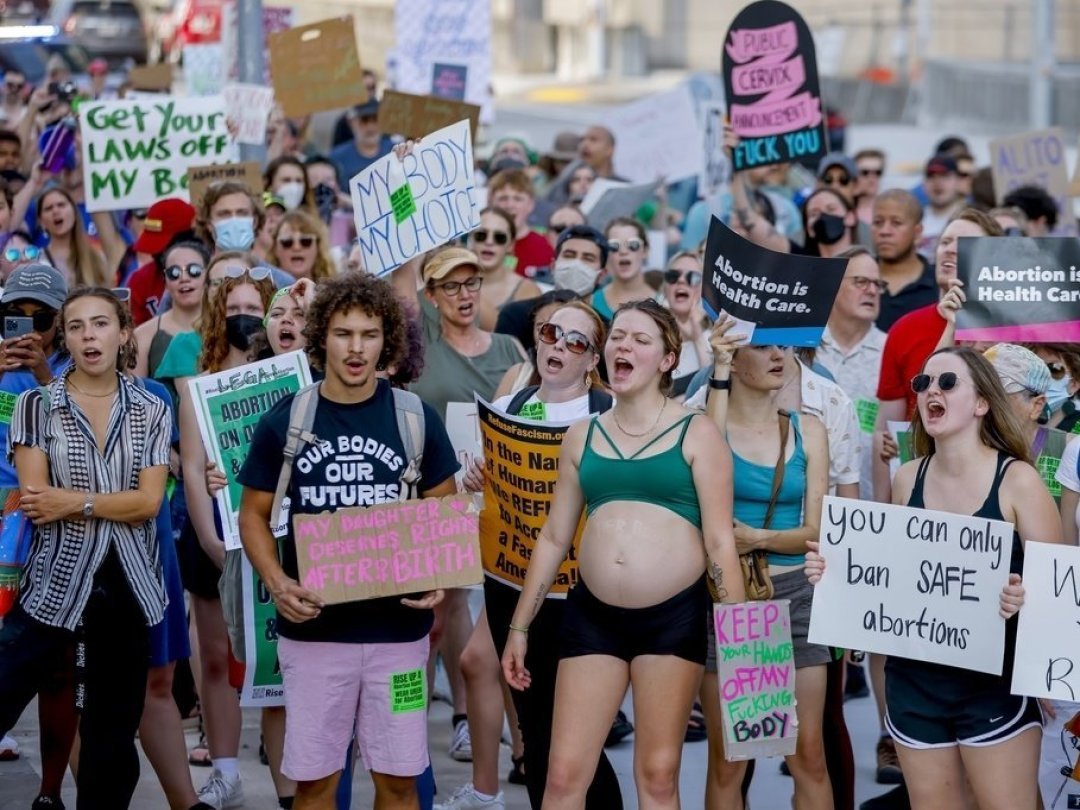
249	108
204	69
407	207
915	583
1048	638
658	137
134	152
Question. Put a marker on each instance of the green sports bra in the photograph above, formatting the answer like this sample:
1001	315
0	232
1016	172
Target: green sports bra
664	479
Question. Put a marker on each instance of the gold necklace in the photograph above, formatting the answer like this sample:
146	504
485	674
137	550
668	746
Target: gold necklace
656	422
71	382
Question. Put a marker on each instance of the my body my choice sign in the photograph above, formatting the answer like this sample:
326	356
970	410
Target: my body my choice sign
134	152
914	583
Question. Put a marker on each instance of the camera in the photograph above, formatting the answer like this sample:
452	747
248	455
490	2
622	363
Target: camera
64	91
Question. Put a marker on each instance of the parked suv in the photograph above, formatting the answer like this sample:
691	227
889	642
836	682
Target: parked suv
110	29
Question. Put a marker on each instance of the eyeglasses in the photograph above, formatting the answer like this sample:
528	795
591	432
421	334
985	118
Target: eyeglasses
576	342
1057	370
287	242
43	318
633	245
945	382
868	172
691	277
498	237
453	288
863	283
173	272
26	254
836	180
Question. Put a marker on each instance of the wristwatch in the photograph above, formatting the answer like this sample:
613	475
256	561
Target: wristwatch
719	385
88	506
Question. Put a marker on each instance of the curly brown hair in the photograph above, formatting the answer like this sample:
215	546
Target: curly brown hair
215	346
129	350
374	297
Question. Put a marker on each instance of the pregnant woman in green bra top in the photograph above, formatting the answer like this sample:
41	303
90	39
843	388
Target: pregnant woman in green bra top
639	611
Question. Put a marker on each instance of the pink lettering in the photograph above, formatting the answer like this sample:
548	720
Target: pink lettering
778	41
778	80
771	118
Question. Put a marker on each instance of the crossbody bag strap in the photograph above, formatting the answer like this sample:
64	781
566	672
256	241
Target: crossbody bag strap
778	471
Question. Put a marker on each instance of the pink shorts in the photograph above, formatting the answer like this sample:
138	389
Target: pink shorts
380	690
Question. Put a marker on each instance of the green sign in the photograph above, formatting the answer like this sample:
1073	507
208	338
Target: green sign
262	673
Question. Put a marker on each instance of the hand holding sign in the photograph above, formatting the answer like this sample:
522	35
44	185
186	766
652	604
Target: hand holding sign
294	602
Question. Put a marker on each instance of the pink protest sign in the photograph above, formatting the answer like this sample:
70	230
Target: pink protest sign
772	88
392	549
755	666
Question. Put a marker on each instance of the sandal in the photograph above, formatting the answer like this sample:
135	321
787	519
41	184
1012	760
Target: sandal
695	726
199	756
517	772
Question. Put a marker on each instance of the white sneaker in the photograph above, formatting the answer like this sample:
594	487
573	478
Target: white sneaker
222	793
465	798
9	749
461	743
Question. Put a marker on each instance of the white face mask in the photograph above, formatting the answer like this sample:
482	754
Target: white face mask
292	194
575	275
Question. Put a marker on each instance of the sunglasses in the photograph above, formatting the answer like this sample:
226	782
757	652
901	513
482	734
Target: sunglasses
691	277
14	87
498	237
453	288
633	245
863	283
287	242
1057	370
576	343
871	172
26	254
836	180
258	273
43	319
173	272
945	382
121	294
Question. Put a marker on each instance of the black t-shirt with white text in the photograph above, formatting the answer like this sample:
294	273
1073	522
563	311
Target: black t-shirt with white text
357	461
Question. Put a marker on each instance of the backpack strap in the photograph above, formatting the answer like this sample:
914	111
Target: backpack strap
520	398
409	411
301	420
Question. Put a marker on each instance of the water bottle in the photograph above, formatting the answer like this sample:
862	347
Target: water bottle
15	536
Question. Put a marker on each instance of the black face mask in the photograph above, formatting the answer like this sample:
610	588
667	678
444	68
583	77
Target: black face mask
828	229
240	329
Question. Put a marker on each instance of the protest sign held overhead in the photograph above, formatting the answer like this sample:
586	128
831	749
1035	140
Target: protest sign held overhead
393	549
136	152
658	137
1033	159
449	80
200	178
521	467
275	19
249	108
204	68
317	67
755	669
228	407
1019	289
772	88
914	583
414	116
607	199
717	169
406	207
156	78
787	297
1048	636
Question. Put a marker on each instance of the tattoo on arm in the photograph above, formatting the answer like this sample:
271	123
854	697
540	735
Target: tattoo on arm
539	601
717	574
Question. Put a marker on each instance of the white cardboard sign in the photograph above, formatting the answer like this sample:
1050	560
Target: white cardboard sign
1048	638
249	107
658	136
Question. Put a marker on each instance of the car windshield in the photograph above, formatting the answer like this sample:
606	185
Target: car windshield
29	58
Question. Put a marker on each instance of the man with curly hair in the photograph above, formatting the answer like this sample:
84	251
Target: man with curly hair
338	661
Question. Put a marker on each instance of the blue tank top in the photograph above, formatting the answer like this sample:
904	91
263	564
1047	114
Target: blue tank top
753	486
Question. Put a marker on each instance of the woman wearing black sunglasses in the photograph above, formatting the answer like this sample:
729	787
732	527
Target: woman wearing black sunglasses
682	291
628	248
492	243
301	247
955	727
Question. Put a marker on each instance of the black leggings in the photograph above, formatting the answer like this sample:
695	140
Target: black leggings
536	705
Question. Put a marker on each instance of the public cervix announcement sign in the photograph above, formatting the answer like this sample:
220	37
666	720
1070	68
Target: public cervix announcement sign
135	152
914	583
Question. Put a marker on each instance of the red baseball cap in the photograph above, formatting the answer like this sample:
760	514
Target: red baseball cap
164	220
97	66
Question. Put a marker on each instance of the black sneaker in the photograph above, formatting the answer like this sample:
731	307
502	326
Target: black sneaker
856	686
47	803
620	729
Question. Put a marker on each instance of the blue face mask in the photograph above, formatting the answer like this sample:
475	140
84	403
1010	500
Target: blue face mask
1058	393
235	233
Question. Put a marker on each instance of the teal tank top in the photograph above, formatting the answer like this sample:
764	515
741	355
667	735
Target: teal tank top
753	486
664	479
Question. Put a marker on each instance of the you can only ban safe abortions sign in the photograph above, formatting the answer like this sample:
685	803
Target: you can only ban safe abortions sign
389	550
755	668
134	152
914	583
228	406
406	207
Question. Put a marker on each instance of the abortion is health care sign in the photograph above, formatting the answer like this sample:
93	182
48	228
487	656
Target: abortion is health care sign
779	298
1019	289
755	669
914	583
405	207
772	88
